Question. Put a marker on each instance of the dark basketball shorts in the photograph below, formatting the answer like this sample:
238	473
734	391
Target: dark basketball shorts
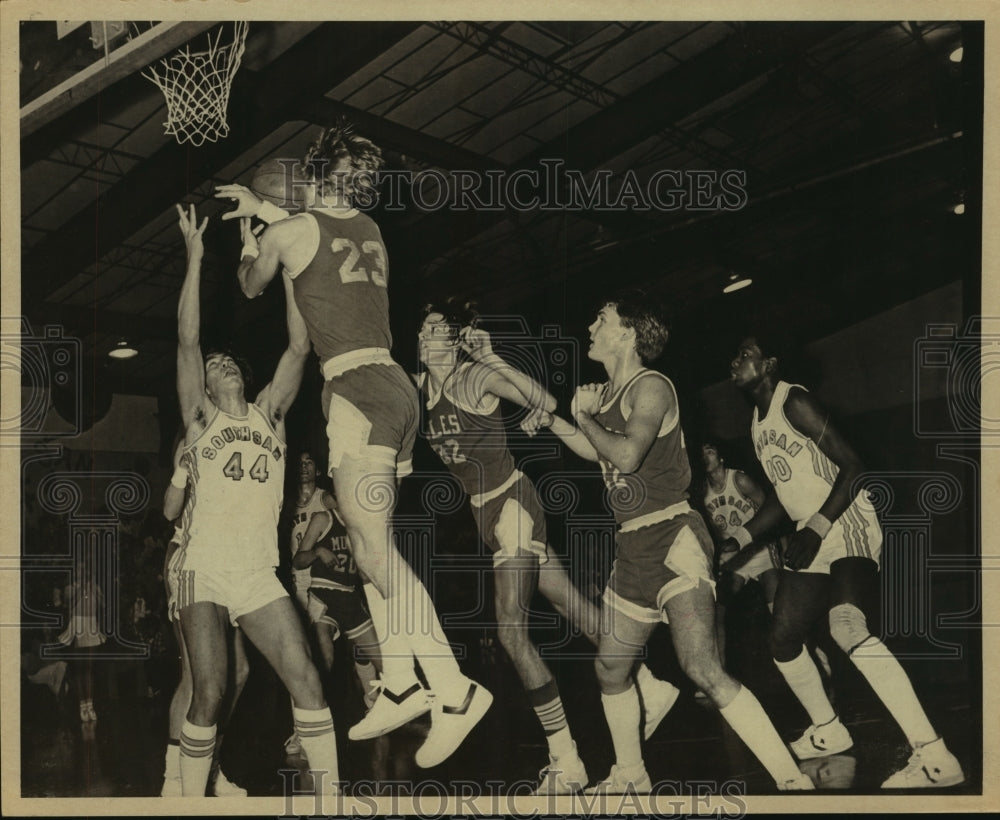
658	561
512	517
342	609
372	412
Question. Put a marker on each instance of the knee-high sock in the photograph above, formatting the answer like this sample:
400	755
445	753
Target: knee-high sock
749	720
411	612
397	659
622	713
172	760
197	747
548	706
892	685
803	679
315	730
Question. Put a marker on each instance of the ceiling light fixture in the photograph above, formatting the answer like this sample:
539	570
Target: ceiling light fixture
956	55
737	282
959	208
123	350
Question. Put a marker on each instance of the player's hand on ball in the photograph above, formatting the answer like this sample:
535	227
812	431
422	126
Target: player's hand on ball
247	203
802	548
192	231
586	400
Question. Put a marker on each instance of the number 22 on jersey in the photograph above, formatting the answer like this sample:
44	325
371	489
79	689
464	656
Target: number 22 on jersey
370	252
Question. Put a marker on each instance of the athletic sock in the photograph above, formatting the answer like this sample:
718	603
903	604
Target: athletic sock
804	681
172	760
413	614
749	720
548	706
196	747
319	742
892	685
397	659
366	672
622	714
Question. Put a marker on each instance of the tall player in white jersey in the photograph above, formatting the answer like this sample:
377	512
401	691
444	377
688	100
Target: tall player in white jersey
832	565
663	566
228	551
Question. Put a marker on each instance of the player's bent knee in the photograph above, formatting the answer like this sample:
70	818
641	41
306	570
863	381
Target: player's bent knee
611	670
848	627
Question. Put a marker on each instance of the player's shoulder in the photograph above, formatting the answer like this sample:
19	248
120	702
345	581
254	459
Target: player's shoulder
649	385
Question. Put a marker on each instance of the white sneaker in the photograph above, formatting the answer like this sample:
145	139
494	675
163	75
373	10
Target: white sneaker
374	688
802	783
564	775
172	787
658	698
930	766
224	787
819	741
390	711
292	745
624	781
450	724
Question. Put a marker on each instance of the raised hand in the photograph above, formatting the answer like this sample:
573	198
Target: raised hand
476	343
247	202
187	221
586	400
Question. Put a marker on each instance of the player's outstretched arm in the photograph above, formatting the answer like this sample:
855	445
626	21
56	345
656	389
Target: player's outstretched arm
652	400
492	374
259	261
278	396
571	435
190	368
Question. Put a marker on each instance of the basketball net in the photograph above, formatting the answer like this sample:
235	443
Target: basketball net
196	86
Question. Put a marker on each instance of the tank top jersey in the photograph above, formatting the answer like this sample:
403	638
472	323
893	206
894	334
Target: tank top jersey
342	293
300	523
730	509
663	477
801	474
343	572
471	441
236	470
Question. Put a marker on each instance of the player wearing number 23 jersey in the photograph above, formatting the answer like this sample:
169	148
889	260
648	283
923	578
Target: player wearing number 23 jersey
342	292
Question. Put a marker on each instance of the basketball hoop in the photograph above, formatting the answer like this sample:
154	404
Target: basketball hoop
196	86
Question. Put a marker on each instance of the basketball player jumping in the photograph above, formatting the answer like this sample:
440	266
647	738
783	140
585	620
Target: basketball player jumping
235	458
663	567
466	428
831	565
335	264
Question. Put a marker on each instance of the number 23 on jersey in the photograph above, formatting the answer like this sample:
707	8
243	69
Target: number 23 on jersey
361	265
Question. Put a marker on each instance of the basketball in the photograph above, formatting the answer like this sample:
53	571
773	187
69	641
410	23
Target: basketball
281	182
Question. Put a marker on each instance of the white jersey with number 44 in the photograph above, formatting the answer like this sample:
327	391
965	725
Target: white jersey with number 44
236	469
